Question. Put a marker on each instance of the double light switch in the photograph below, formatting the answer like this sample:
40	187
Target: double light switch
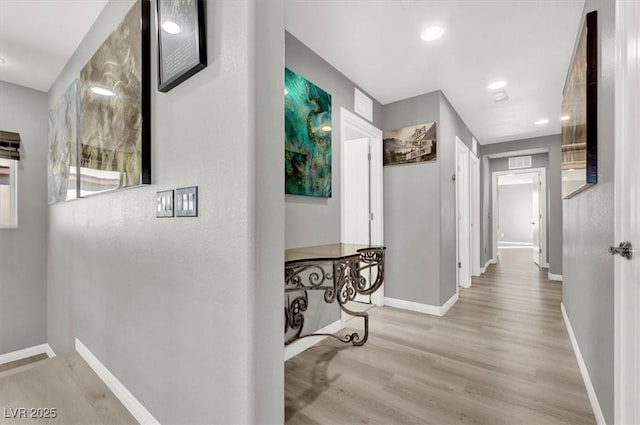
184	202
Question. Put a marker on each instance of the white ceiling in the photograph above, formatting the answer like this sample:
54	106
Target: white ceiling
377	44
37	37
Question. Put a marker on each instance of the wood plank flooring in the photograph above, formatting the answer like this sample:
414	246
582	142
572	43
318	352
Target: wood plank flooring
501	355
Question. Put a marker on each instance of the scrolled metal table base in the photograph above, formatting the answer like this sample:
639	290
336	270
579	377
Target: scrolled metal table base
340	279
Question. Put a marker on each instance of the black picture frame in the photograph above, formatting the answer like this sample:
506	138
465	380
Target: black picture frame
183	53
579	139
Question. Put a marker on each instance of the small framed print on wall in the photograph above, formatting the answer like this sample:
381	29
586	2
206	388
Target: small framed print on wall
182	49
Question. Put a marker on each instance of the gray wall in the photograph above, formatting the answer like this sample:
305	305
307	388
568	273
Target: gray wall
316	221
515	213
412	210
588	292
23	251
552	164
187	313
419	206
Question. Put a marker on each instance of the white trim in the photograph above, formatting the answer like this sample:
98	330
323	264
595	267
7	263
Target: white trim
483	269
542	173
127	399
591	392
27	352
522	244
422	308
475	212
349	120
462	212
301	345
626	228
552	276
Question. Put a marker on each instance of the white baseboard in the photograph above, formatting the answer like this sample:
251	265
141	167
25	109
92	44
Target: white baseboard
483	269
422	308
593	398
552	276
27	352
300	345
138	411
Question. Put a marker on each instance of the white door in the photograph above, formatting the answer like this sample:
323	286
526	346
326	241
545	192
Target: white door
535	218
474	174
462	206
627	208
357	197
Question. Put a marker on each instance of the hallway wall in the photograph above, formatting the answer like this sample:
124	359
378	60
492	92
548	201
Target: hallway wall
187	312
23	251
588	290
316	221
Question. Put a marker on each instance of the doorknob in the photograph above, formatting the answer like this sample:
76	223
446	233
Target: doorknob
625	250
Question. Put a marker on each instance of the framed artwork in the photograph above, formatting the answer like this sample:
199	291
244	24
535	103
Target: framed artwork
410	144
62	170
580	114
182	49
115	122
307	144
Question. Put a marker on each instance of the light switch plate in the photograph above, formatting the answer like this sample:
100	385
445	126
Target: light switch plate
164	204
187	202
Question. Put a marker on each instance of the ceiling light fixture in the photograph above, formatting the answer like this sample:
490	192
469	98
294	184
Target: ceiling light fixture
2	61
542	122
497	85
171	27
102	91
432	33
500	96
565	118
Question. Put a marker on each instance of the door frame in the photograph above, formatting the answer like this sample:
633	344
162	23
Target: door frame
542	172
466	266
626	293
474	193
351	121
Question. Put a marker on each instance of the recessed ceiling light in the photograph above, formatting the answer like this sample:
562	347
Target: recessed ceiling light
497	85
432	33
326	128
542	122
171	27
565	117
102	91
2	61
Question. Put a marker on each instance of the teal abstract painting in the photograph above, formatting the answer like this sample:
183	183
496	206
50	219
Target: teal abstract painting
307	137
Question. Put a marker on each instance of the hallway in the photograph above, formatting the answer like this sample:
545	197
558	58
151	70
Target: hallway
501	355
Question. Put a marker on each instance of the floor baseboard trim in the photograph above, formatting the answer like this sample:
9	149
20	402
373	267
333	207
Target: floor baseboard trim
593	398
483	269
27	352
552	276
301	345
422	308
132	404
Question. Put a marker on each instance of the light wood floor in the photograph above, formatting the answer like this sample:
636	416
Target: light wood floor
501	355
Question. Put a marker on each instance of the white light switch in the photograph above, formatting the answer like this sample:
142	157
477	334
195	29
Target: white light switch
164	204
187	202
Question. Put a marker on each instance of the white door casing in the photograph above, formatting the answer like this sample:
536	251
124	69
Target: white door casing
542	174
474	174
535	219
462	212
627	217
354	127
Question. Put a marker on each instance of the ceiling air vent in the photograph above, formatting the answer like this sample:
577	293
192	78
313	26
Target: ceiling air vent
519	162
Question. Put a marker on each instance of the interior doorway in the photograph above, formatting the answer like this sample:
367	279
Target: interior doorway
463	222
519	212
361	194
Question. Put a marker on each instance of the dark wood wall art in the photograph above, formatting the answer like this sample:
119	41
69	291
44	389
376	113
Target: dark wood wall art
182	50
580	114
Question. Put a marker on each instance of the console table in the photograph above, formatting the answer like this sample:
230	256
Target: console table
337	270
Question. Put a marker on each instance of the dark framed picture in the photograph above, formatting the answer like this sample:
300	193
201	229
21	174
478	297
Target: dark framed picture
580	113
182	49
